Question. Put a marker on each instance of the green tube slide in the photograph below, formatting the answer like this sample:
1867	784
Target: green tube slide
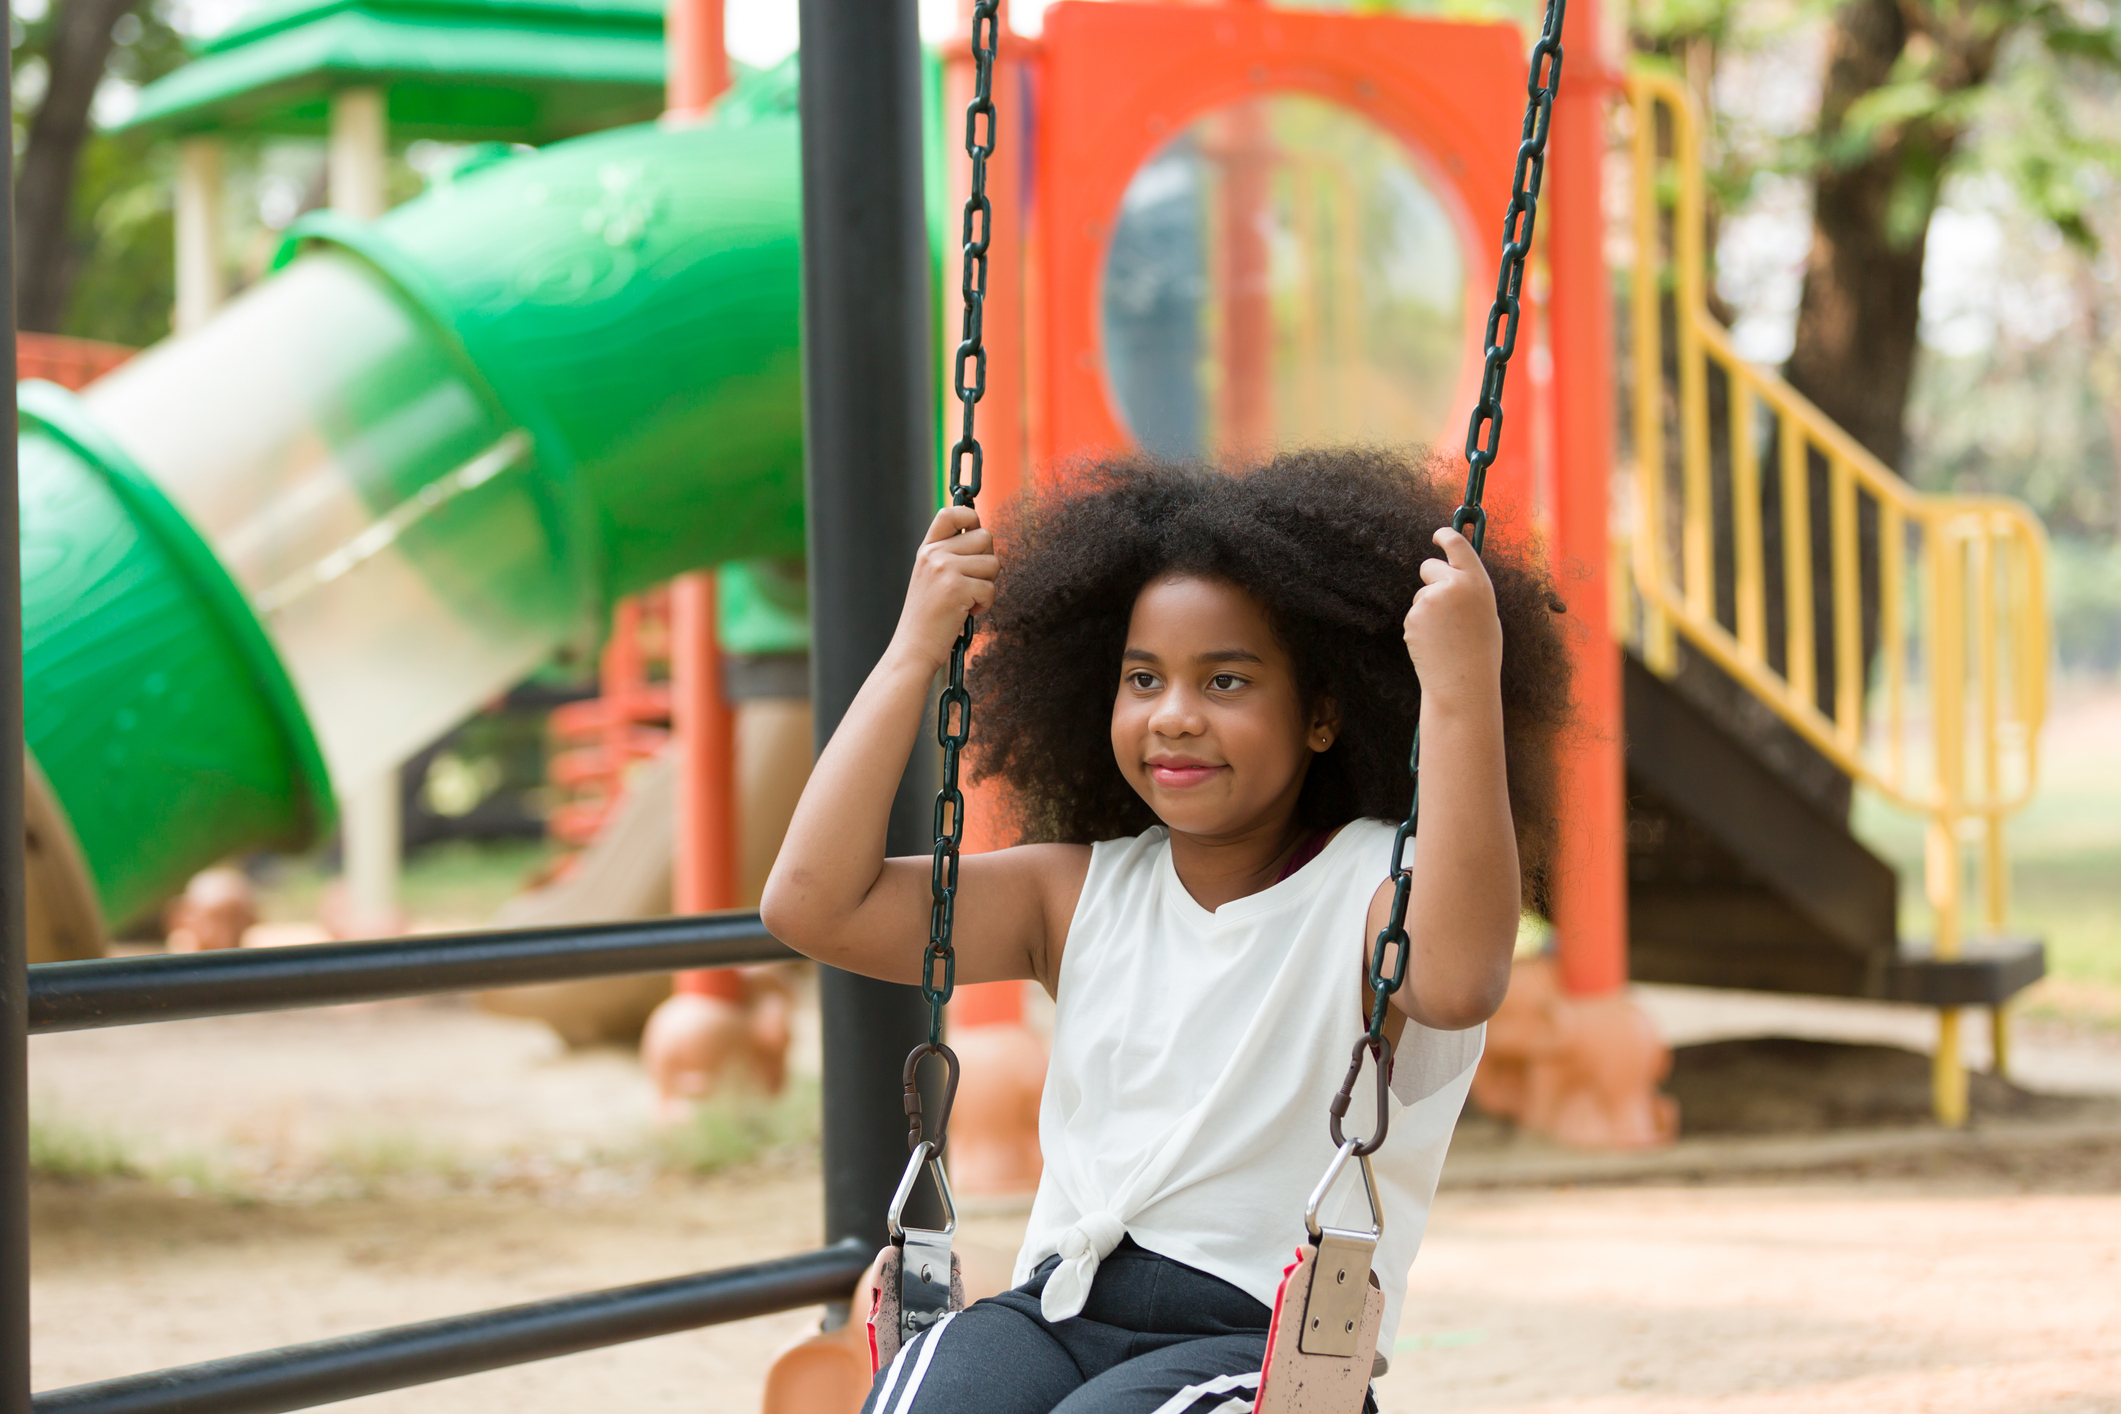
291	547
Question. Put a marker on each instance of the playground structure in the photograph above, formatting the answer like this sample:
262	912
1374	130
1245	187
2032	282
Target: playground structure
1941	597
528	361
370	626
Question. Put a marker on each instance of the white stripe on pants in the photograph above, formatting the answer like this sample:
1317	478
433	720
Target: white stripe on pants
1192	1395
926	1341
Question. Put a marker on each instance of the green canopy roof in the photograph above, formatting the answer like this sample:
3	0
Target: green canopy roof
460	70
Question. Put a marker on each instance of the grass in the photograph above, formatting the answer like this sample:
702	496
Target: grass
735	1129
2075	902
725	1133
465	879
375	1159
192	1174
66	1151
455	881
2065	886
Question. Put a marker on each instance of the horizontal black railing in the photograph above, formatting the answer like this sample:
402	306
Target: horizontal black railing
325	1371
80	996
75	996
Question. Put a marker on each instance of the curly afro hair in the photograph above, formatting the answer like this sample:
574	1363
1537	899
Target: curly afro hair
1331	542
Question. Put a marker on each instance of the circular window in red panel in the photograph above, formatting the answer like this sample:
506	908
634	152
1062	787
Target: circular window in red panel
1282	274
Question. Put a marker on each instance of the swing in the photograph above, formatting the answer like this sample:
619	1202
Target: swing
1322	1339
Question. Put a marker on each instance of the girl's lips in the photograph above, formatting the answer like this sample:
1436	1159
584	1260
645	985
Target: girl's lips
1178	777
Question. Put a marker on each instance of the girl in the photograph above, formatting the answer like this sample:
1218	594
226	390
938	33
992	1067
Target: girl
1200	691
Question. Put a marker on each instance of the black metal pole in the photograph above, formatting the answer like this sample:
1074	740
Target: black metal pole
326	1371
127	991
14	943
869	451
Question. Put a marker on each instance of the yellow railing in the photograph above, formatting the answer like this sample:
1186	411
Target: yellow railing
1940	710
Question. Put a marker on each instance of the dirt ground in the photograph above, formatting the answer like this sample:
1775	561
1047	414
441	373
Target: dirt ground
215	1187
248	1182
1951	1292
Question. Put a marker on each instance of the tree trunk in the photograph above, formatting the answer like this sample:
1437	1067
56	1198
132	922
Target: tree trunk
80	48
1860	310
1856	319
1858	315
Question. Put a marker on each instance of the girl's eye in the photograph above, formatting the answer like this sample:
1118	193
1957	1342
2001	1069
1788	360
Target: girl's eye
1226	682
1142	681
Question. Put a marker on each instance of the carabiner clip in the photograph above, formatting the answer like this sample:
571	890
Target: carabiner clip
1381	1050
912	1078
1349	1149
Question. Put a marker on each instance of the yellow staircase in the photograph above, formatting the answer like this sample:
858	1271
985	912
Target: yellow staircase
1943	718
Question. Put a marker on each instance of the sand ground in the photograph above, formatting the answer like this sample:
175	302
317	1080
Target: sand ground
319	1174
1959	1293
251	1181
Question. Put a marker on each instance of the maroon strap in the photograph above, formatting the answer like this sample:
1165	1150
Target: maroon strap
1309	850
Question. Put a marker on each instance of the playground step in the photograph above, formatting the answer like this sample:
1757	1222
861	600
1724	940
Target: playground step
1987	972
1738	877
1706	813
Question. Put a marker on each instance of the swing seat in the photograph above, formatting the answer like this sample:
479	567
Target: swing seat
1322	1342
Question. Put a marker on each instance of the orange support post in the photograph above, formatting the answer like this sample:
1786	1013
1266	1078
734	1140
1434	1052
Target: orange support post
1591	880
703	872
698	1032
703	875
1248	318
714	1020
1569	1054
697	63
718	1023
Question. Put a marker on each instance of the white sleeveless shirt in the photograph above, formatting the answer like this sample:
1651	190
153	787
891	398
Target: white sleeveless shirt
1193	1056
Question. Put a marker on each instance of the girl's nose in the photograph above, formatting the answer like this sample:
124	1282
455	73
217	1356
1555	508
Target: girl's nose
1177	714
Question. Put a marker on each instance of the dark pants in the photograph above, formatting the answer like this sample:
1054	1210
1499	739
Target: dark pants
1155	1337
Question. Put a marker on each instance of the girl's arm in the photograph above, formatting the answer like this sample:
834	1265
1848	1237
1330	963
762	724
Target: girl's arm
832	894
1463	910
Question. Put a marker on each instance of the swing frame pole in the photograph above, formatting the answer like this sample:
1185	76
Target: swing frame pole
14	942
870	486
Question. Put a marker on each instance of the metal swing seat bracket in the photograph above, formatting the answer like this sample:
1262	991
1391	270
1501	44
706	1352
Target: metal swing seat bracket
1336	1297
918	1280
929	1287
1322	1345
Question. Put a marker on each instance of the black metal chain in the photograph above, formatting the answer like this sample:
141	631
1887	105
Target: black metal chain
1483	440
953	712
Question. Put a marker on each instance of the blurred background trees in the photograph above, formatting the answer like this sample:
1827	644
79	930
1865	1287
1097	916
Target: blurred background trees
92	211
1918	205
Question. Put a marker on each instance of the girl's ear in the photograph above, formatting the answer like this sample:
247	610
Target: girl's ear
1325	725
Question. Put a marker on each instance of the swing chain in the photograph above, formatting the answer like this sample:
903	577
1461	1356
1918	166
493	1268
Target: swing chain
1484	431
1388	956
953	713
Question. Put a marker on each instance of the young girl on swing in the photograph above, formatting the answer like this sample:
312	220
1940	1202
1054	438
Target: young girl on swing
1200	691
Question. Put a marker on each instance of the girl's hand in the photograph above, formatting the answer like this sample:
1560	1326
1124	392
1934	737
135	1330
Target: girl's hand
953	575
1453	634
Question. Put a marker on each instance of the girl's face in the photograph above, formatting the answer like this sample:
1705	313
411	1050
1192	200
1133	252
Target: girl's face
1208	724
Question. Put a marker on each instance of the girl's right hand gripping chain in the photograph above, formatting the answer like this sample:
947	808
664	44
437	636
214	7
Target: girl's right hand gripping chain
953	577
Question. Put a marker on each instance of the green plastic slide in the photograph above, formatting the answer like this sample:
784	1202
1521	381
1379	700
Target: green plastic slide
294	546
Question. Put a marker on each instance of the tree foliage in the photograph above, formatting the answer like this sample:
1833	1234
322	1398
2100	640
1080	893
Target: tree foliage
104	270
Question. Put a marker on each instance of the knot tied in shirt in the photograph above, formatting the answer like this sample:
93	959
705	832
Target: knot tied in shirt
1086	1243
